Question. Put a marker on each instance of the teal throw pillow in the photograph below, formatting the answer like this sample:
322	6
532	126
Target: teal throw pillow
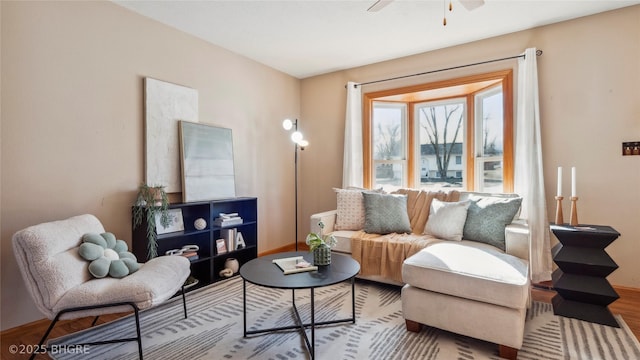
487	216
385	213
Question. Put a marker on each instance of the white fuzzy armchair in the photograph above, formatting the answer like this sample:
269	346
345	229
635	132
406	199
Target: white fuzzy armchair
62	287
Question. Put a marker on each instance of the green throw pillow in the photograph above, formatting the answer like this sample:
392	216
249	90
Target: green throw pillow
385	213
487	217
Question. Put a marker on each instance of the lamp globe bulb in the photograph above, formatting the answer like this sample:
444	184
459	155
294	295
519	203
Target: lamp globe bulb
296	136
287	124
303	143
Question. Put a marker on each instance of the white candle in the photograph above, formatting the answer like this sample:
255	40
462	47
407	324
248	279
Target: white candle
559	181
573	181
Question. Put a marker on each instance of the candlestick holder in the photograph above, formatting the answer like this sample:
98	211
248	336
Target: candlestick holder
574	211
559	218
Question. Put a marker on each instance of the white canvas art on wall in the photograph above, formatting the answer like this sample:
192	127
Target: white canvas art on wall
165	105
207	162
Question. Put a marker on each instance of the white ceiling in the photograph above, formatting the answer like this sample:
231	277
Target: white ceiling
311	37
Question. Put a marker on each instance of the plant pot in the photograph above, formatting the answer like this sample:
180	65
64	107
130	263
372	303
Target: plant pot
156	194
322	255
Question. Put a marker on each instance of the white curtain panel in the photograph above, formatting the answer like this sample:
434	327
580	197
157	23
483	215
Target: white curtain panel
529	177
352	172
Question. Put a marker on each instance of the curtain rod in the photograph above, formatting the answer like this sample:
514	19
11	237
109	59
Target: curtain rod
538	53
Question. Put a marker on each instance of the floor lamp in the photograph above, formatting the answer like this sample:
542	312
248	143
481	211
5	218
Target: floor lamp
299	143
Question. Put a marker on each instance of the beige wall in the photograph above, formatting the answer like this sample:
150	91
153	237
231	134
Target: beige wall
73	115
72	120
589	102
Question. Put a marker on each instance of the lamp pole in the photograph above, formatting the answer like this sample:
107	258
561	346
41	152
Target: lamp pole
299	143
295	161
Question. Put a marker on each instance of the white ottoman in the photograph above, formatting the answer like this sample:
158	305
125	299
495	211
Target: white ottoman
468	288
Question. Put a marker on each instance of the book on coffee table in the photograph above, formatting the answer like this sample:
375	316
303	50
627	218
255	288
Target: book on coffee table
292	265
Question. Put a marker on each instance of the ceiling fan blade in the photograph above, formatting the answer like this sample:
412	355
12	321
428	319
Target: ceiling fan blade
378	5
472	4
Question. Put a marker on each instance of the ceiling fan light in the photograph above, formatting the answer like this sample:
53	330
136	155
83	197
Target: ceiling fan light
472	4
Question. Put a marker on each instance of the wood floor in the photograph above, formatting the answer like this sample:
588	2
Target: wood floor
30	334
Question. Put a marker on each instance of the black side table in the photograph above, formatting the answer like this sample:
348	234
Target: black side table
581	278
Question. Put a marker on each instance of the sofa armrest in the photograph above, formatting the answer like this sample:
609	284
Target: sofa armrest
328	218
516	236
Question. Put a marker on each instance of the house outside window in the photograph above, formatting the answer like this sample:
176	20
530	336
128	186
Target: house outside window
455	134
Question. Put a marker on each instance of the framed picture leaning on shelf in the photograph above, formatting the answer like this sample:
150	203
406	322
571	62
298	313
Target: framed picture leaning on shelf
176	223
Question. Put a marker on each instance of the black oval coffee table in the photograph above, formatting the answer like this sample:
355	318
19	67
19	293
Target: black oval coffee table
263	272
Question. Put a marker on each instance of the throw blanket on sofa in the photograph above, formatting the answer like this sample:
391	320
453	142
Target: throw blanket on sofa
384	254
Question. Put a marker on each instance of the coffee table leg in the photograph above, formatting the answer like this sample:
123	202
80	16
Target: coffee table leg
313	326
353	300
244	305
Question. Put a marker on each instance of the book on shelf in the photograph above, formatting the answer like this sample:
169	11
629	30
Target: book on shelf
191	255
229	236
293	265
223	222
229	215
221	246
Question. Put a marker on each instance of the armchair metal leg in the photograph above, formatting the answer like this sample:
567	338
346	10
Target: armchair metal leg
184	302
138	337
44	337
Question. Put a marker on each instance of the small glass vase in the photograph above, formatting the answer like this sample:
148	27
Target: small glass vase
322	255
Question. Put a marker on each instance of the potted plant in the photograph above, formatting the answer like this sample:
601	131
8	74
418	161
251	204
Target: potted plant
321	246
151	202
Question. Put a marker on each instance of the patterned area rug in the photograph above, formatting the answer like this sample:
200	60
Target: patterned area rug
214	330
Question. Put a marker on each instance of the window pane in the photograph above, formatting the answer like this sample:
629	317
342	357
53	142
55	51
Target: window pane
492	123
389	131
441	139
489	141
389	176
492	176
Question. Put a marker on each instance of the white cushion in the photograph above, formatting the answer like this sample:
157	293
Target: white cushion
350	209
343	240
446	219
156	281
47	255
476	273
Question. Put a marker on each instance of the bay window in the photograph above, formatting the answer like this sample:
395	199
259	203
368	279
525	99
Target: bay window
454	134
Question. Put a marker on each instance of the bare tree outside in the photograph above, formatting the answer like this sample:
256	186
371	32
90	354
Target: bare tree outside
426	143
489	140
439	129
388	144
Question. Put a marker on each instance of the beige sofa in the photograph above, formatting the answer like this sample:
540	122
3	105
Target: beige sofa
516	234
468	287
